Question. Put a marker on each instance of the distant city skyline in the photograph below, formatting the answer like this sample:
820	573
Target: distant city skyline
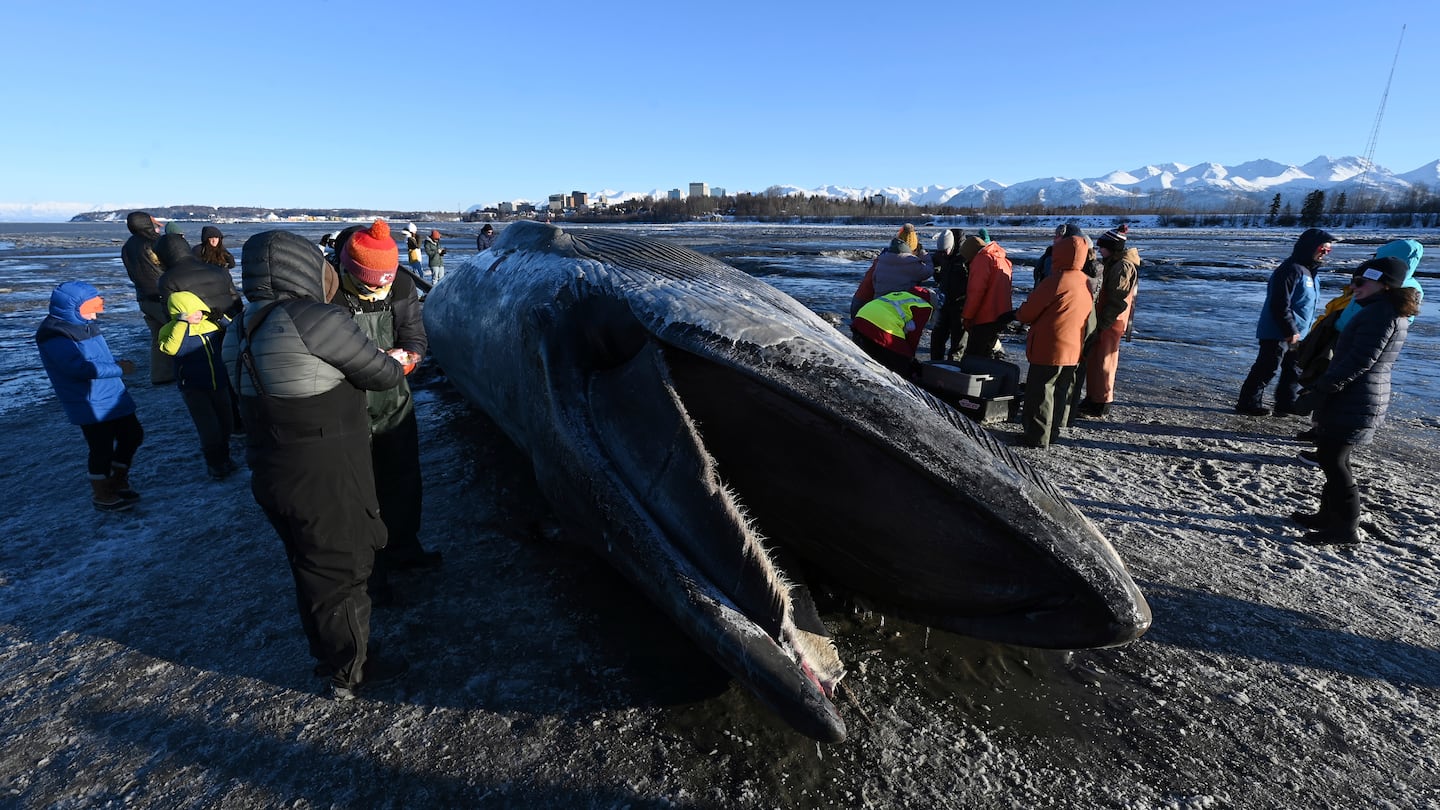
370	106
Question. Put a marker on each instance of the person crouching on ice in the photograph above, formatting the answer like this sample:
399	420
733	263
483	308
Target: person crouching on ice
889	328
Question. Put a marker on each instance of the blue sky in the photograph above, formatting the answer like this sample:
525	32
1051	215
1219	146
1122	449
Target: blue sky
443	106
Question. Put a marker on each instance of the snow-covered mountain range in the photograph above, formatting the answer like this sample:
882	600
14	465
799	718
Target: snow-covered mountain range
1198	187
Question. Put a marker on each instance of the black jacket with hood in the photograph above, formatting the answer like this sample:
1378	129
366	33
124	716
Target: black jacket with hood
183	271
301	366
1355	388
139	257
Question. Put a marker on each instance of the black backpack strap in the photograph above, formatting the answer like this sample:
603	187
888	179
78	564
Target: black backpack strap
247	358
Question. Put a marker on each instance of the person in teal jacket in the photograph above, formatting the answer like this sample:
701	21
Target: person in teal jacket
1288	313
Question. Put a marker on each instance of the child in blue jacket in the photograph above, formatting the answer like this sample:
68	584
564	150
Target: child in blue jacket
86	377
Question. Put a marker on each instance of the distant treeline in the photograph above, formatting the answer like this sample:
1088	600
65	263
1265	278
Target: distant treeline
1418	208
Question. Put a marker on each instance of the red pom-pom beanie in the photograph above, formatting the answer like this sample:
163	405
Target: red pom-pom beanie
371	255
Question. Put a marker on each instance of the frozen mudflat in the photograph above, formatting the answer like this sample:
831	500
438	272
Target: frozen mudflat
153	658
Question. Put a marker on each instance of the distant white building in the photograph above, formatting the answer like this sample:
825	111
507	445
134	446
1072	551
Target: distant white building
699	190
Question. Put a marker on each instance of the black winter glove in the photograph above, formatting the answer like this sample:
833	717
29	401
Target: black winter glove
1006	318
1309	401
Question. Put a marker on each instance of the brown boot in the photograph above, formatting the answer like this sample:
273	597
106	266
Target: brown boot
120	476
104	497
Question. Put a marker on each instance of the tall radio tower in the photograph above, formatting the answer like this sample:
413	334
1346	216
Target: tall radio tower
1379	114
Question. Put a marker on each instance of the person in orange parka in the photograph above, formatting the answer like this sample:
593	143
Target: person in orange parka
1058	311
987	294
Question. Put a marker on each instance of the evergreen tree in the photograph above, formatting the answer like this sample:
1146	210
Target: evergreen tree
1338	207
1312	212
1275	209
1286	217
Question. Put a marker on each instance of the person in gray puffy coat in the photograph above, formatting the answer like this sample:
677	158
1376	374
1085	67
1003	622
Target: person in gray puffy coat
1350	399
302	367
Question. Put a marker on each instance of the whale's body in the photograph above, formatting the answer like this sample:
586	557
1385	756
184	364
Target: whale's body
720	441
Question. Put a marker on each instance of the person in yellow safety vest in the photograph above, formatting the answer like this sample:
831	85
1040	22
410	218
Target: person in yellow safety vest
889	328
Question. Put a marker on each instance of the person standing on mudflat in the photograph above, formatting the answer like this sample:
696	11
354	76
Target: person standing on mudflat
88	385
1058	311
212	250
436	255
987	293
1350	399
143	267
486	237
952	274
385	305
1284	321
302	367
1114	307
185	272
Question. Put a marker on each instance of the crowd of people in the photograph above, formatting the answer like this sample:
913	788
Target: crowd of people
1082	304
1336	372
319	393
1076	314
332	441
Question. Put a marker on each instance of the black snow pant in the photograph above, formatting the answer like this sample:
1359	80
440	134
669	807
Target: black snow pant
395	455
311	474
980	339
1340	497
113	441
1274	355
214	421
947	334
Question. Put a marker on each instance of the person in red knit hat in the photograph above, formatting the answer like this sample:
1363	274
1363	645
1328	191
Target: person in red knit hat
437	257
385	304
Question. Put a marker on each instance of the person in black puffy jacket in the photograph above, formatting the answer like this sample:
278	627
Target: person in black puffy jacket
186	273
144	269
1351	397
302	367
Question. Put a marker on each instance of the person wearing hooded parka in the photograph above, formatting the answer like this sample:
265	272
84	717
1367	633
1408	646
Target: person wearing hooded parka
302	367
144	269
1351	397
1285	319
212	250
185	272
88	384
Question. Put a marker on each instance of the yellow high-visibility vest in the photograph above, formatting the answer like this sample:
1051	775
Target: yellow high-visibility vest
894	313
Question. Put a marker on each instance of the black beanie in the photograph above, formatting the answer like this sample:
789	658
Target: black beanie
1389	271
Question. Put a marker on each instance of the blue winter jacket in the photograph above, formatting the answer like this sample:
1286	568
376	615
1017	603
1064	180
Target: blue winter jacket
77	358
1406	250
1292	292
